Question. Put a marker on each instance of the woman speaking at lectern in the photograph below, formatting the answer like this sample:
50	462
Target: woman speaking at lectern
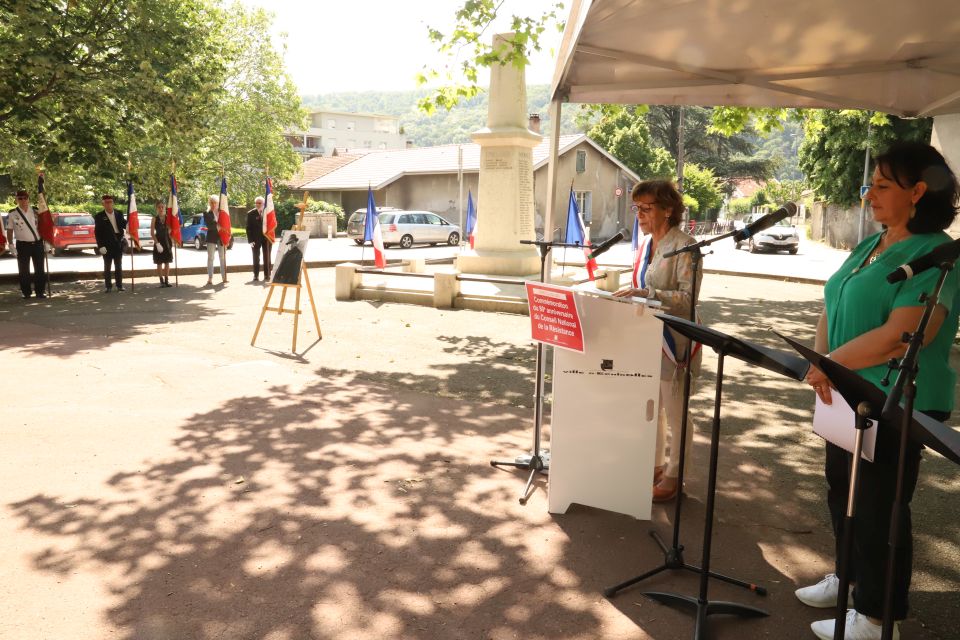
914	197
659	210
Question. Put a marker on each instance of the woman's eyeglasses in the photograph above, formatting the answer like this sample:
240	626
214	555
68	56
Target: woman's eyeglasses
643	208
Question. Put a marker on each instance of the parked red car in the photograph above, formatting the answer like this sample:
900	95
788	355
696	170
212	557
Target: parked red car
72	231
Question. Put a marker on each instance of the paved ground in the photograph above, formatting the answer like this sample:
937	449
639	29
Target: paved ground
164	479
814	261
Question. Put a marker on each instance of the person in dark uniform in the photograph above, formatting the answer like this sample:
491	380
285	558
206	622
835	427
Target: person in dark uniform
26	244
288	271
108	227
258	242
162	244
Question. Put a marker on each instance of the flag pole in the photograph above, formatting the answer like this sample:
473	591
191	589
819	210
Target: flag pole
176	266
223	177
564	271
363	238
46	257
133	278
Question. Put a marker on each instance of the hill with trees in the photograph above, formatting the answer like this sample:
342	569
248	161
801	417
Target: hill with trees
441	127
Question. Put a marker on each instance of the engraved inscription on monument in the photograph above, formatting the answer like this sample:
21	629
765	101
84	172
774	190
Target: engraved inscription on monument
525	187
497	160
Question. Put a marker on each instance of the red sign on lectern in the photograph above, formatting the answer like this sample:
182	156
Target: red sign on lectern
554	318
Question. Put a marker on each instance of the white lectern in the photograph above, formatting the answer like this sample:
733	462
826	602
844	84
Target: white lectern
606	403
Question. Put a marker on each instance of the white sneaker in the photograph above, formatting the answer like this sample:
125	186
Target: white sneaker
857	627
823	594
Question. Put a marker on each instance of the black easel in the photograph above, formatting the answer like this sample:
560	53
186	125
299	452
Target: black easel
905	386
772	360
850	387
535	462
673	555
868	399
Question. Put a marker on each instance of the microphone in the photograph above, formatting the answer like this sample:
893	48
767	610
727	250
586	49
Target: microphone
604	246
765	222
946	252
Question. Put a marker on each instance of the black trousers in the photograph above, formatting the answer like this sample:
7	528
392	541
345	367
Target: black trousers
871	524
28	252
261	247
114	259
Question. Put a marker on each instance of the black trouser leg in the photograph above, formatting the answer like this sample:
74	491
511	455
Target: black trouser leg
265	247
113	260
872	522
837	469
39	269
24	257
118	266
255	247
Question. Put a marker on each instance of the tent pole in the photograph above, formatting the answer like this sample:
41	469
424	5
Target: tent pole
555	109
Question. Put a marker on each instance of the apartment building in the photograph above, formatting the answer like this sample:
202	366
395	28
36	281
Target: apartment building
328	130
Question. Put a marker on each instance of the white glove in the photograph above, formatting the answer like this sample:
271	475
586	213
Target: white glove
159	247
103	251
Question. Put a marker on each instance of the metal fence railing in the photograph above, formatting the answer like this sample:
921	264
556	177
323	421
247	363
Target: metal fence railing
710	228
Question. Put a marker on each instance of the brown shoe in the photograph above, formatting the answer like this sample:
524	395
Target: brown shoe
662	493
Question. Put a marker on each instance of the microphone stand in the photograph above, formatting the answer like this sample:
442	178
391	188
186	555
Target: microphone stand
535	462
673	556
905	386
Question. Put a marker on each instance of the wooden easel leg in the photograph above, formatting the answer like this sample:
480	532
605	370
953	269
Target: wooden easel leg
296	314
313	307
262	313
283	296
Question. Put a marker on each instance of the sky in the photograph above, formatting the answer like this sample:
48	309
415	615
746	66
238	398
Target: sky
359	45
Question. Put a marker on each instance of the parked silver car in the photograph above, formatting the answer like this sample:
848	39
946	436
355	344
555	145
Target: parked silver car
356	219
407	228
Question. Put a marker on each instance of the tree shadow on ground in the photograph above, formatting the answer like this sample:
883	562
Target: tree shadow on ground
339	510
363	506
106	317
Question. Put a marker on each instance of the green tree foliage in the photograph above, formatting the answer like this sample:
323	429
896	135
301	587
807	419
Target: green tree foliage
256	104
728	157
703	186
833	149
466	48
83	80
625	134
777	192
739	206
149	81
834	143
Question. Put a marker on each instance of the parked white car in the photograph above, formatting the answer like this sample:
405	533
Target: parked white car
407	228
782	236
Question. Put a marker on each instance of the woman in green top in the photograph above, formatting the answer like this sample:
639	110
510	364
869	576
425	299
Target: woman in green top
914	197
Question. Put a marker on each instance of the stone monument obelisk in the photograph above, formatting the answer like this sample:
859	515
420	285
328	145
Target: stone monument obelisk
505	205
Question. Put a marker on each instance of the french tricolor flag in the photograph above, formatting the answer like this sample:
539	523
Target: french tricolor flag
471	219
577	234
45	218
133	216
371	231
223	219
269	214
173	211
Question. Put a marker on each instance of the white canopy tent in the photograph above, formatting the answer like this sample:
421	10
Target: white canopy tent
898	57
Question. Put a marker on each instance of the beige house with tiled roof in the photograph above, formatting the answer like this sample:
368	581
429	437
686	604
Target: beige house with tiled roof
428	179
